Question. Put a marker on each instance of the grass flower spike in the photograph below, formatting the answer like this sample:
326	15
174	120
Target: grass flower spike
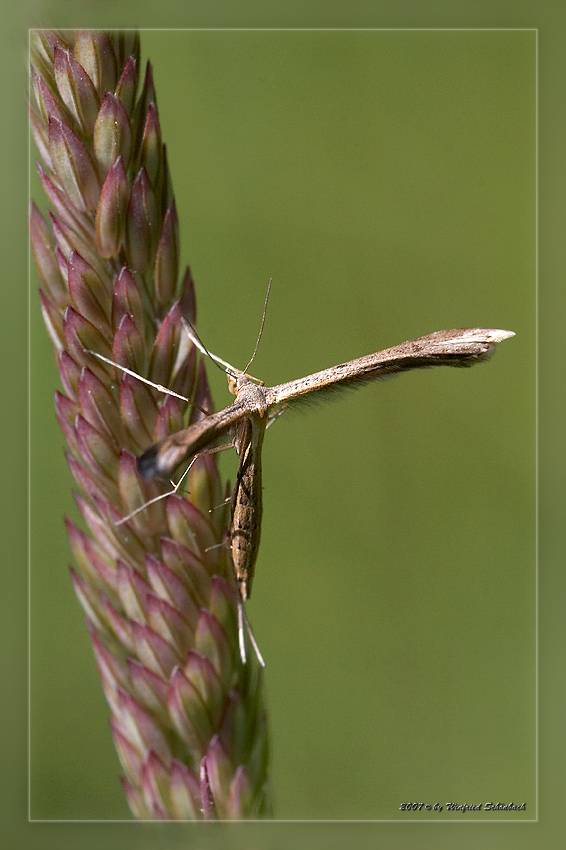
161	606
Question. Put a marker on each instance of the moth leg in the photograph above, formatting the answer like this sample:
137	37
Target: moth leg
175	487
244	622
275	415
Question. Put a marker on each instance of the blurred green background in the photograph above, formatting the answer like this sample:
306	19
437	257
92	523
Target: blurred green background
386	182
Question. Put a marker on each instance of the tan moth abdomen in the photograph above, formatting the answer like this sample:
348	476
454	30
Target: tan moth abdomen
247	505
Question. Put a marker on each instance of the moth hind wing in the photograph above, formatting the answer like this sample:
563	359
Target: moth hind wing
161	459
148	465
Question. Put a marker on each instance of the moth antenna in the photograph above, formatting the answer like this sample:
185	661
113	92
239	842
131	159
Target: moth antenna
261	326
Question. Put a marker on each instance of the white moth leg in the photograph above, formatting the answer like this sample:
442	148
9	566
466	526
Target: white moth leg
243	621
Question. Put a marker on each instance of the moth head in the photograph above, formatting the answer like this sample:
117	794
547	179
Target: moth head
238	379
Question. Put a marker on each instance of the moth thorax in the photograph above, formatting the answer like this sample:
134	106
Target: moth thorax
253	397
